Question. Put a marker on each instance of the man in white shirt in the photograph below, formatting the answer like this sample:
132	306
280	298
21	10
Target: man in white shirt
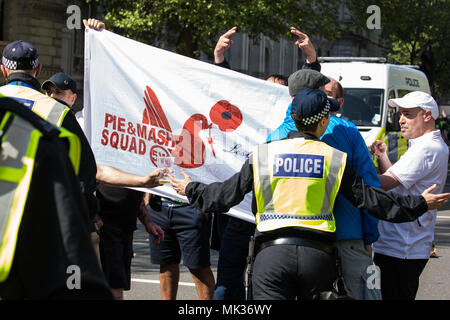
403	249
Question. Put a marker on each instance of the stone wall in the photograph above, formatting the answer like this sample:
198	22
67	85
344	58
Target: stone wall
40	23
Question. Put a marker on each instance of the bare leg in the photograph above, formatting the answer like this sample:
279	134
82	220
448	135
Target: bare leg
204	282
169	275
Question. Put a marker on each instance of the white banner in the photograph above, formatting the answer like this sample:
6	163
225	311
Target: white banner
143	104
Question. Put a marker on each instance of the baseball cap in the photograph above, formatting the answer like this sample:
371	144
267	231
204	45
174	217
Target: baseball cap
311	105
20	55
304	79
417	99
62	81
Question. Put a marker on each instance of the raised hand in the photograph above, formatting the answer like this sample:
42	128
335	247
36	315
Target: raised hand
305	44
94	24
223	44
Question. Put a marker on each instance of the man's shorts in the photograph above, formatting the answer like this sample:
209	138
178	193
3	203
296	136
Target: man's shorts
116	252
186	234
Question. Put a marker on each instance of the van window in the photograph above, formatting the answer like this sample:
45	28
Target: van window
392	94
393	117
363	107
402	92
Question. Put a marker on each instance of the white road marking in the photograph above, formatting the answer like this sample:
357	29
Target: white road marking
187	284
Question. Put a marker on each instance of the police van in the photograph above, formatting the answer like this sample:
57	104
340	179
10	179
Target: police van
368	84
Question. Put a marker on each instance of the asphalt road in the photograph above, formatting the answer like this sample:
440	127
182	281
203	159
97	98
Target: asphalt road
434	281
145	276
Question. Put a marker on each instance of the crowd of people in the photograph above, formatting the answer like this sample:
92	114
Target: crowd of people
67	222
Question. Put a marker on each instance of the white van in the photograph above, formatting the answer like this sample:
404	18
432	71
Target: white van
368	84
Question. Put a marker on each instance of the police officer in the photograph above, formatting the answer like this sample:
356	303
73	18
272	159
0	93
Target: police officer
62	88
45	250
295	182
20	67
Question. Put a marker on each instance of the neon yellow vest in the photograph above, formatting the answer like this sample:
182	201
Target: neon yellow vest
17	158
296	182
49	109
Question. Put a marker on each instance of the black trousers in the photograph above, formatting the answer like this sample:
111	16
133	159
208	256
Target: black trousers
289	272
399	277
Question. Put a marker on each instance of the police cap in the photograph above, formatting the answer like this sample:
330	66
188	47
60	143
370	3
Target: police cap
62	81
20	55
311	105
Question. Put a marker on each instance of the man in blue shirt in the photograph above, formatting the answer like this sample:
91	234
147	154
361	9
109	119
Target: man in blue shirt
355	229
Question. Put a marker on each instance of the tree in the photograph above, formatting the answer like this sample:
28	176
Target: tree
193	26
408	28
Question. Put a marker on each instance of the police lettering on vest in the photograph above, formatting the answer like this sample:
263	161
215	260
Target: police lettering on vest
298	165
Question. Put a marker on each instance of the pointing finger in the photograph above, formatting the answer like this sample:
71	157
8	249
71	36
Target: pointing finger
298	33
230	32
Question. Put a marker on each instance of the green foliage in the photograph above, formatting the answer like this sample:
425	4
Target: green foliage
408	26
193	26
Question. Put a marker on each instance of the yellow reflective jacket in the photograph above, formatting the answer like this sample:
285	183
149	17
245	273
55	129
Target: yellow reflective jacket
19	143
296	182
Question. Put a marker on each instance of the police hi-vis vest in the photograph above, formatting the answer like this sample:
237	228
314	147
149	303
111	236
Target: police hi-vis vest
20	141
49	109
296	182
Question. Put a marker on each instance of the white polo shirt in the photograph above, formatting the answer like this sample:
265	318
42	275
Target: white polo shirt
425	163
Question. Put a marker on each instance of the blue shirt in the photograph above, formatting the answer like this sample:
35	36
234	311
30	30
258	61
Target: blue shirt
282	131
351	223
21	83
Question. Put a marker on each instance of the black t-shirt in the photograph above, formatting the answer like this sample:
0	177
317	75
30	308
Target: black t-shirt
88	167
53	235
119	206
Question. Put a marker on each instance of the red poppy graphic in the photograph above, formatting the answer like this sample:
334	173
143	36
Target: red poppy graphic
226	116
190	150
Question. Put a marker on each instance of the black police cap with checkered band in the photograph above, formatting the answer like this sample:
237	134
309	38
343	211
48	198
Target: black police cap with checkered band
20	55
311	105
